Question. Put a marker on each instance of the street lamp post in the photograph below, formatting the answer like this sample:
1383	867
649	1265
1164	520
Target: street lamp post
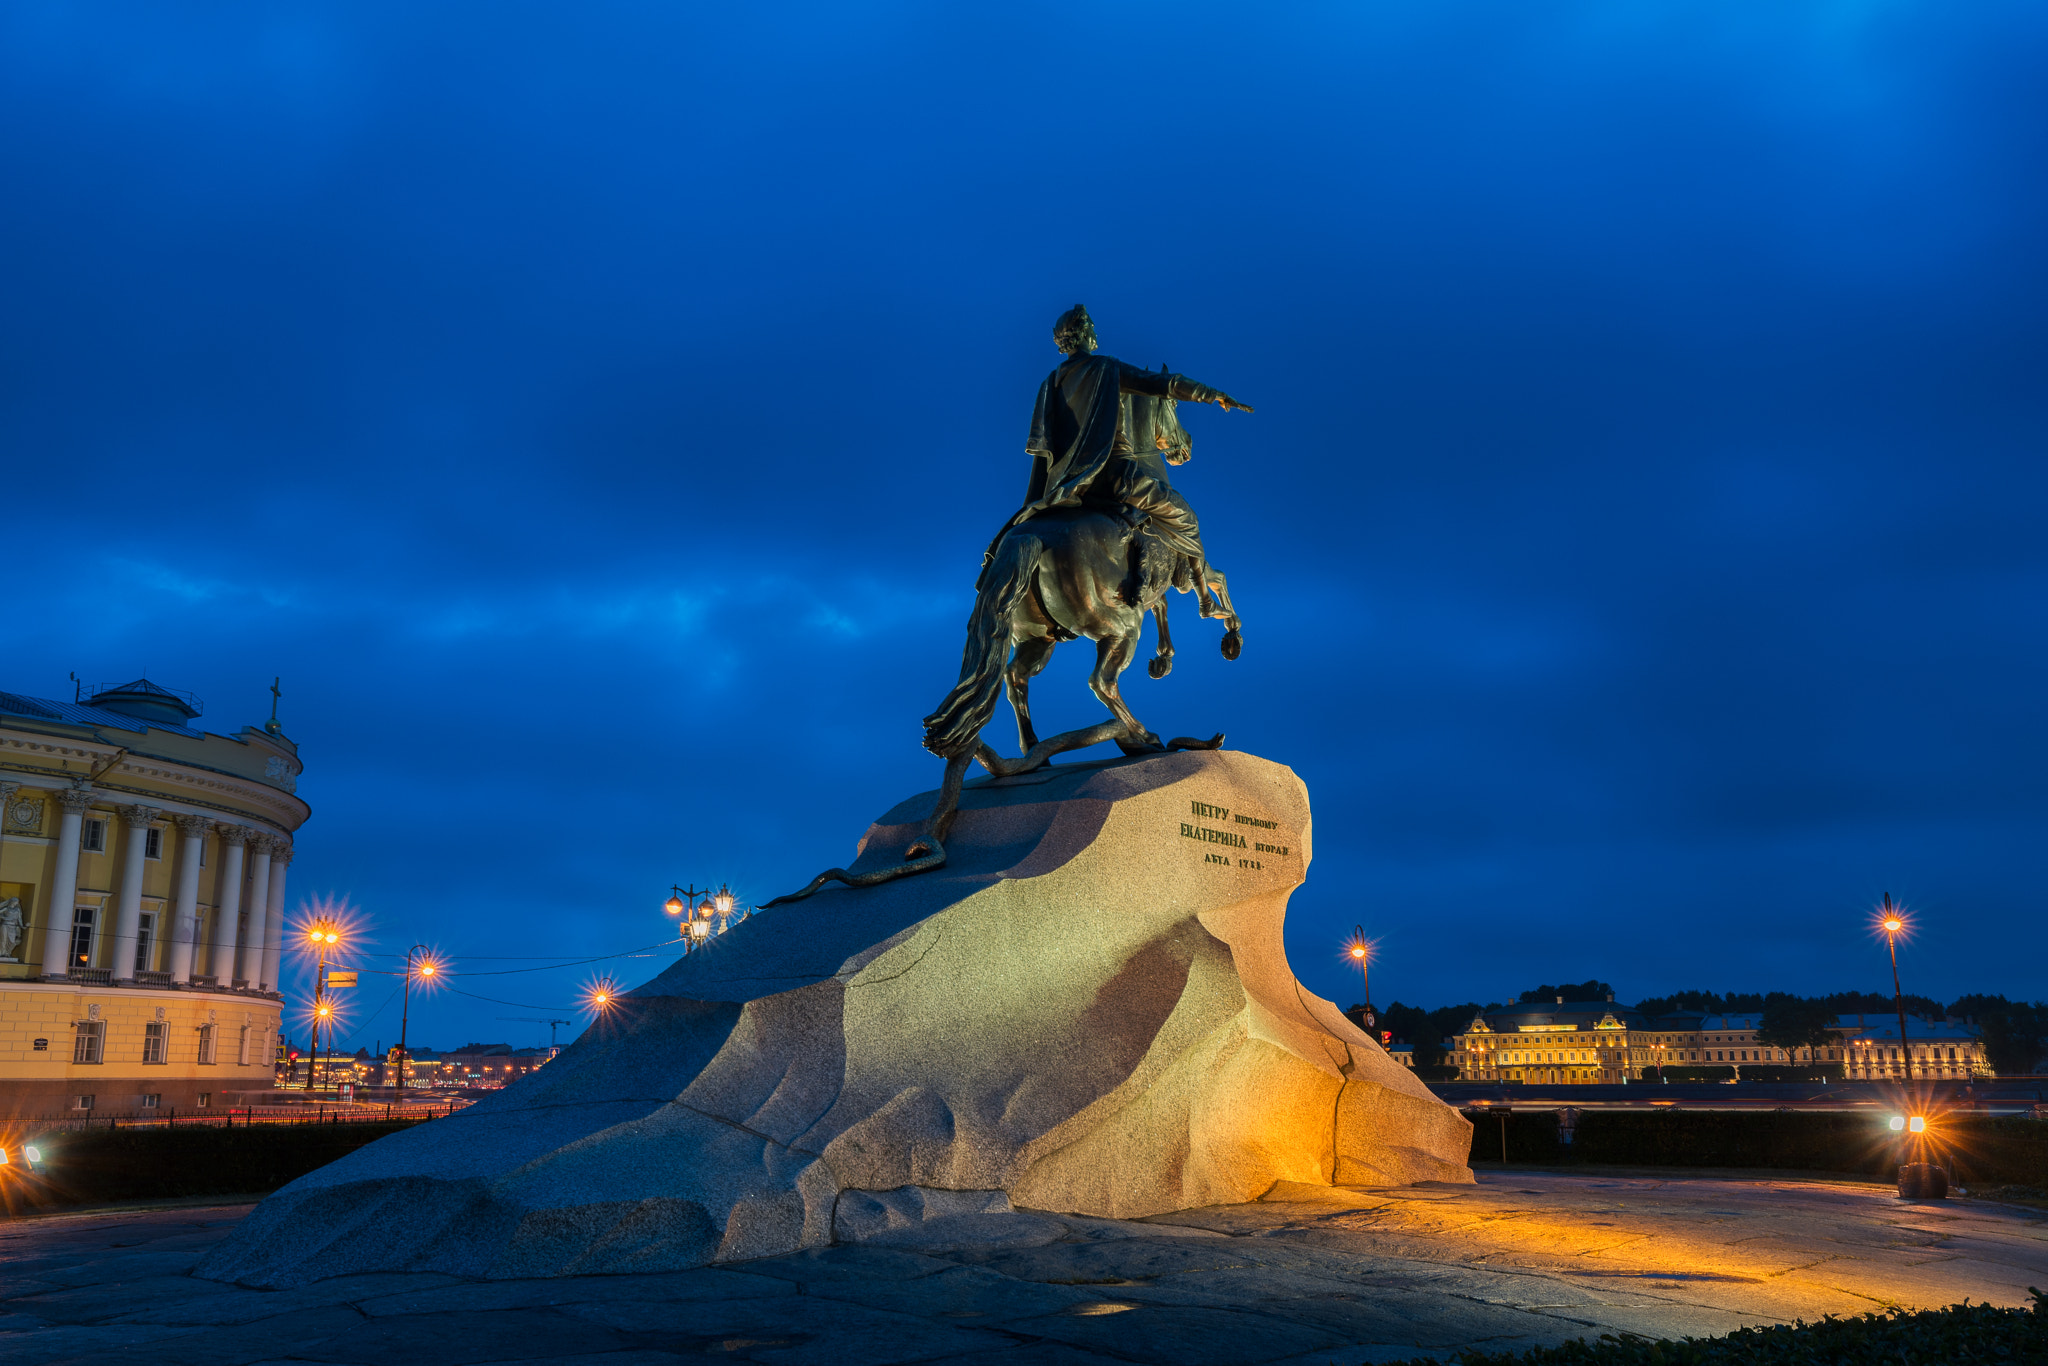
1893	919
323	936
427	968
1361	953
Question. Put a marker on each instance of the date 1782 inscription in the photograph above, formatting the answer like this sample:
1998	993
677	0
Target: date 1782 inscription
1210	835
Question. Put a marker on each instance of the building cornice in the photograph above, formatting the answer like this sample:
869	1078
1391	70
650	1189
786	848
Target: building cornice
214	789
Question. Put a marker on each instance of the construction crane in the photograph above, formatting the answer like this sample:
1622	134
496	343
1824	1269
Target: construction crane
532	1019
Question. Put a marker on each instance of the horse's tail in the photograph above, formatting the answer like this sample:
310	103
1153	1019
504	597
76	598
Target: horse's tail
955	728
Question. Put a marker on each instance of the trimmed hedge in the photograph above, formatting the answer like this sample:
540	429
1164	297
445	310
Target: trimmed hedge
93	1166
1981	1151
1965	1333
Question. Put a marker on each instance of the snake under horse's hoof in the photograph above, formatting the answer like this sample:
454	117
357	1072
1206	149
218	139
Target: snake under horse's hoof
935	858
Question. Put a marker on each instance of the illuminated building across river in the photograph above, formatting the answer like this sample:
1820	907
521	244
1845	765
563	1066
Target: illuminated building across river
1590	1042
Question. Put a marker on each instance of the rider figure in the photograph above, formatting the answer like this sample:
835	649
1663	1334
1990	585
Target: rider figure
1085	446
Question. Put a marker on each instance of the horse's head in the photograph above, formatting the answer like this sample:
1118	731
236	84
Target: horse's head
1167	434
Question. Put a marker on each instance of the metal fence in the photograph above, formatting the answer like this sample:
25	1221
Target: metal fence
240	1116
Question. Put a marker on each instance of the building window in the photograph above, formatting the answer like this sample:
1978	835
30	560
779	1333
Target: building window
81	1102
205	1101
142	928
156	1042
81	937
153	843
242	1048
152	1102
92	836
206	1039
92	1036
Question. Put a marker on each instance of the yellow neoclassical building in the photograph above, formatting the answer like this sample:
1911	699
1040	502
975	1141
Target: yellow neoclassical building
1590	1042
142	894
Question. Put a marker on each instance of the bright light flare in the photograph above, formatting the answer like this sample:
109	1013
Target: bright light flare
328	925
429	969
1917	1124
601	996
1890	919
322	1013
1898	1124
1359	951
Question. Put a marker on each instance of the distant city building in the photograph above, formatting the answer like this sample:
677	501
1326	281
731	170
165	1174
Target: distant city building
1946	1048
1589	1042
490	1064
142	873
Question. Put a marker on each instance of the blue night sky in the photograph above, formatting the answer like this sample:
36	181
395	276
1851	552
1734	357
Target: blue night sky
596	413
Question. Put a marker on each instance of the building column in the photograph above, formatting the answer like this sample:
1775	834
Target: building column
273	918
128	912
184	928
227	913
64	886
251	958
7	791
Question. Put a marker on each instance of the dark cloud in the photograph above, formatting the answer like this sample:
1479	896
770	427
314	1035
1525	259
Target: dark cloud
595	415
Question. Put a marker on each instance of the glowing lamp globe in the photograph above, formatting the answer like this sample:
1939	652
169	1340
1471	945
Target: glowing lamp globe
674	905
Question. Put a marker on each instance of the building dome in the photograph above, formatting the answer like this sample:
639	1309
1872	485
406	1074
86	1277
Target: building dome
145	701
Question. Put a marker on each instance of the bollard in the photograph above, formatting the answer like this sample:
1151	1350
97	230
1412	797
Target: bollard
1922	1181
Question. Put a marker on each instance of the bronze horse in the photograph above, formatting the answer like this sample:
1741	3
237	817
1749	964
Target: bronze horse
1070	573
1067	573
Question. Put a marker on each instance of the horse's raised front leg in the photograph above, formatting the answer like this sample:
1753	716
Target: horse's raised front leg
1030	657
1162	657
1113	655
1233	632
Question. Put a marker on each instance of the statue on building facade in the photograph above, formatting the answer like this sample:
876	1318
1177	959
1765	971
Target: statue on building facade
10	926
1100	539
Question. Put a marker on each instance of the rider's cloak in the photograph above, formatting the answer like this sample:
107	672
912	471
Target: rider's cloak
1078	424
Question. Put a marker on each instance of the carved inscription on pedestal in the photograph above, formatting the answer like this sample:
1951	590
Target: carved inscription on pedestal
1216	833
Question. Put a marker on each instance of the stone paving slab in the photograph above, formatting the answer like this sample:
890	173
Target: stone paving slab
1329	1277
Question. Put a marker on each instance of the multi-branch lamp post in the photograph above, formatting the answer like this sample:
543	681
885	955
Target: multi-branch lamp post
695	911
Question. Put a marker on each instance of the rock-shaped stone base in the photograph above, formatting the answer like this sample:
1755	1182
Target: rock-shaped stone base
1088	1010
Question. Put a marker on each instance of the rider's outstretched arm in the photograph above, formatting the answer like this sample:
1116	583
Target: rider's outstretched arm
1164	384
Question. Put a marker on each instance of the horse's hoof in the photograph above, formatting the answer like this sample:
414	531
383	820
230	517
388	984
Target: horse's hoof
1160	666
1232	644
1148	743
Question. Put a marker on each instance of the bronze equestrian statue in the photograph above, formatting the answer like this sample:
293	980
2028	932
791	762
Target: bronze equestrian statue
1100	539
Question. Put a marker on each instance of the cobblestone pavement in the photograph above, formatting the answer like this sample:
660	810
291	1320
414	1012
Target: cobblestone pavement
1309	1275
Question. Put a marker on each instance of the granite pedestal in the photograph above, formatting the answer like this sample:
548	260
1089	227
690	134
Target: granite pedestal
1087	1011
